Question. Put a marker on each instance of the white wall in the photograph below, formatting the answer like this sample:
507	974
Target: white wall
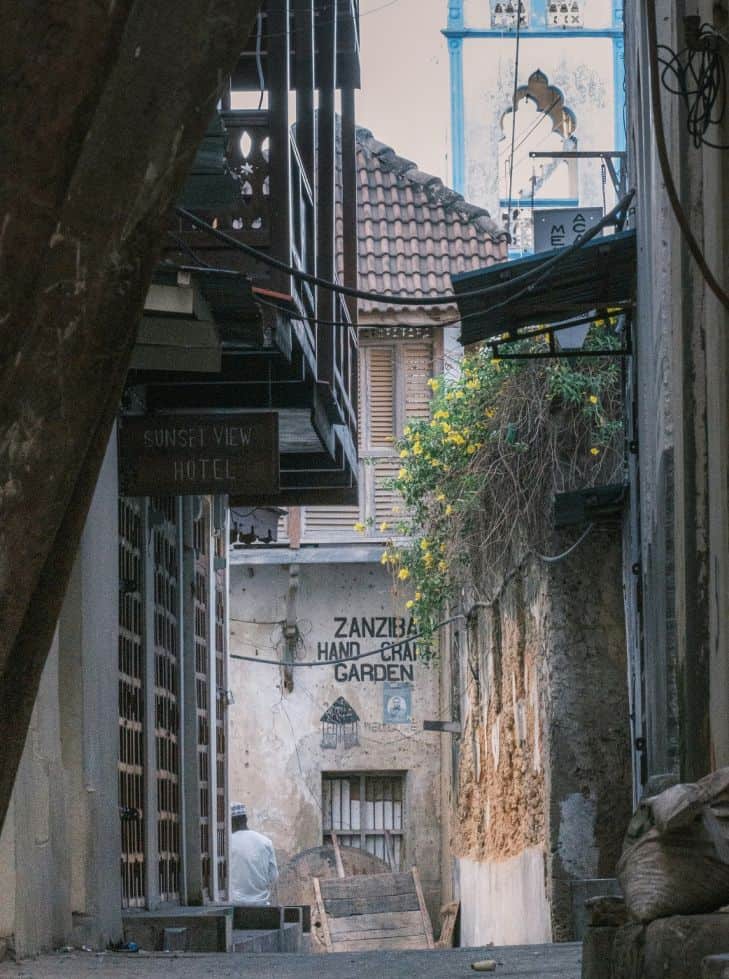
276	737
504	901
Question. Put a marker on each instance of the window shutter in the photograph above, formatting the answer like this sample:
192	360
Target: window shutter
418	362
386	499
323	523
381	391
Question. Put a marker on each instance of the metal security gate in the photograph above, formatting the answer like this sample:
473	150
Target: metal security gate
131	703
221	705
360	808
201	593
164	527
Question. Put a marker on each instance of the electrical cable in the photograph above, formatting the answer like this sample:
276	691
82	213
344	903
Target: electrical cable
513	115
349	659
697	75
556	558
327	23
407	299
259	64
662	149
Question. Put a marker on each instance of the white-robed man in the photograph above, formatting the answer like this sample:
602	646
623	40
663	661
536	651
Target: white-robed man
253	870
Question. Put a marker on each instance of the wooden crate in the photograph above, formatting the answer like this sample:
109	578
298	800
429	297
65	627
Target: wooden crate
379	911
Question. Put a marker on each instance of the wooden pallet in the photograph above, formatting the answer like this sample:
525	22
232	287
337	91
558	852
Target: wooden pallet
379	911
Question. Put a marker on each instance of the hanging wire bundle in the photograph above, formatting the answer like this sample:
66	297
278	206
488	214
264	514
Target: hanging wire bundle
697	75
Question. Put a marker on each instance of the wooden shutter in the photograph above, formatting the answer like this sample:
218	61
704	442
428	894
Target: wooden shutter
418	366
380	393
386	499
323	523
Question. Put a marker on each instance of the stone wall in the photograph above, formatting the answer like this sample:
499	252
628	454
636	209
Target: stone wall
544	788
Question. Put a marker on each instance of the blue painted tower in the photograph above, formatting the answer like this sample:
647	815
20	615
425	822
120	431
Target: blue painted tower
566	94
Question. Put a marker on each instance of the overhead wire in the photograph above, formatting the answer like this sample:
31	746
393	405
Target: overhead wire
350	659
403	299
664	162
513	114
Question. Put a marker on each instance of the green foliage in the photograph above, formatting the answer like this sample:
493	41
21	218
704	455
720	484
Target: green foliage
503	436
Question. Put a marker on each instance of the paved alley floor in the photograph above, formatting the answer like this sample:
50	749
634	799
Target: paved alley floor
549	961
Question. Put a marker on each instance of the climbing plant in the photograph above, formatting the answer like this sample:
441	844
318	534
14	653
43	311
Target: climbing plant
477	478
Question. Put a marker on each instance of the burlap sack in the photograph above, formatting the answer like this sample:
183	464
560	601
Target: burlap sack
675	857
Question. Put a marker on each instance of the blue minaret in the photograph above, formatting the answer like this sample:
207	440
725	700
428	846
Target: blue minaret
534	76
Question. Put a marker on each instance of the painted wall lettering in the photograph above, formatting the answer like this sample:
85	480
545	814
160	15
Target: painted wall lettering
395	663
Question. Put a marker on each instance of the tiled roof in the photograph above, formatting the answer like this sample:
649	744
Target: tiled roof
413	231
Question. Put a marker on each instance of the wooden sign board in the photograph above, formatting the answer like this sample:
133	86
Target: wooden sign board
187	455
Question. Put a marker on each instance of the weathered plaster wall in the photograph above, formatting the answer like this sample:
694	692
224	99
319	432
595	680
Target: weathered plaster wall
586	720
505	898
277	759
545	759
59	851
583	69
679	485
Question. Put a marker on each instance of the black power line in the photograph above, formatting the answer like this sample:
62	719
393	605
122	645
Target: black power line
407	299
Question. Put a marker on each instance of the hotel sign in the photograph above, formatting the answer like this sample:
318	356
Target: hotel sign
186	455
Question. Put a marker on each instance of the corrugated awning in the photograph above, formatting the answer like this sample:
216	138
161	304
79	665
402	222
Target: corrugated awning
598	276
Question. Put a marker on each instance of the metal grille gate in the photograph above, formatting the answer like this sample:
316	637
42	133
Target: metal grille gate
201	591
131	703
220	709
165	539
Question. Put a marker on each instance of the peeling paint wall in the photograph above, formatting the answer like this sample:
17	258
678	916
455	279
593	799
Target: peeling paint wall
543	786
277	758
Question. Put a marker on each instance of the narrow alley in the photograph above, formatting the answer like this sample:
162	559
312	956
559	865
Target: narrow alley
531	962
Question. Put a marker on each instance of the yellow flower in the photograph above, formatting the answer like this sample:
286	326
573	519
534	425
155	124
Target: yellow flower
424	544
442	566
407	430
409	604
404	453
472	385
435	463
441	413
428	559
385	558
470	449
489	412
448	510
359	527
418	596
417	449
449	396
384	526
593	399
594	451
440	497
433	383
458	394
445	427
403	574
496	362
402	473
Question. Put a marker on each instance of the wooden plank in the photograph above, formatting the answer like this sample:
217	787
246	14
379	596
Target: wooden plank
337	855
372	885
423	910
407	922
322	915
391	903
394	944
389	850
448	916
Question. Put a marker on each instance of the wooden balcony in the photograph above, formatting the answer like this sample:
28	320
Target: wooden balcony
279	349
